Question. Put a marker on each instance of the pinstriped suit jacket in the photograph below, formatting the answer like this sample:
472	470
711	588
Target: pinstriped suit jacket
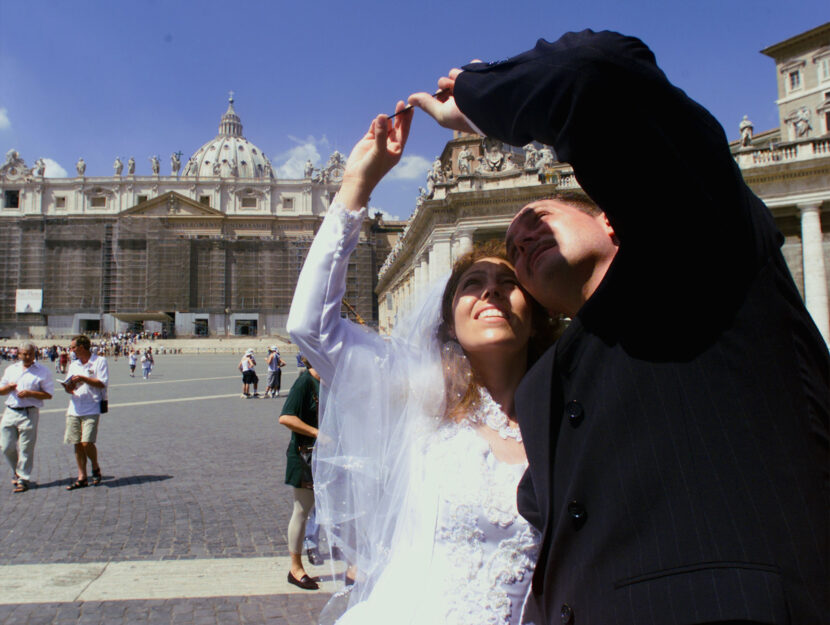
677	432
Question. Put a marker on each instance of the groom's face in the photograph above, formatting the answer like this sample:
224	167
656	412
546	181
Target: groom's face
558	251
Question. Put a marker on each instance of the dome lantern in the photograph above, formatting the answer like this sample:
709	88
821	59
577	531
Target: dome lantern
230	125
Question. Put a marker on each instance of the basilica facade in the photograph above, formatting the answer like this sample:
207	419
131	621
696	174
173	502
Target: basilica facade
213	248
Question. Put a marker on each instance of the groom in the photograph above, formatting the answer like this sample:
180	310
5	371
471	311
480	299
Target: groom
677	433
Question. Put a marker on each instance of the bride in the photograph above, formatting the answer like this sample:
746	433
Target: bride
419	453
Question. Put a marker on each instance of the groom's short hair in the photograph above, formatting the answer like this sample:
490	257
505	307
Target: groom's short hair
577	199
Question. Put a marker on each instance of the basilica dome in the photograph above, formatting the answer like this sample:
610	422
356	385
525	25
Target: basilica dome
229	154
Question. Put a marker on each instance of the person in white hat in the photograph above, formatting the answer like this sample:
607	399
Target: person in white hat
249	376
275	365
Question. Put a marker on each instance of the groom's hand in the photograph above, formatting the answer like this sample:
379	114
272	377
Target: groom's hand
442	108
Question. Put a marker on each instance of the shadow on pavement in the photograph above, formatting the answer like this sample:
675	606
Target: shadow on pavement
111	482
107	480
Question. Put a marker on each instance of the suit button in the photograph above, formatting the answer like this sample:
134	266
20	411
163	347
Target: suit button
578	514
575	413
567	614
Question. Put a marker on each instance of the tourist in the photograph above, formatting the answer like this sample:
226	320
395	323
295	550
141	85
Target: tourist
299	414
27	383
87	384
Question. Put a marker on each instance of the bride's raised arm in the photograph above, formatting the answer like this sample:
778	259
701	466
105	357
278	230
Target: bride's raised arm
314	321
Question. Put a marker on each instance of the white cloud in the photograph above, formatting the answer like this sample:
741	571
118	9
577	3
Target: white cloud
411	168
386	216
5	122
290	164
53	169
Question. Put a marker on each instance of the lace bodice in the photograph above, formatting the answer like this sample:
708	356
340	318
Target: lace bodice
488	549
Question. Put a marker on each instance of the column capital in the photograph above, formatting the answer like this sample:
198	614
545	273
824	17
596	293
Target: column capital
808	207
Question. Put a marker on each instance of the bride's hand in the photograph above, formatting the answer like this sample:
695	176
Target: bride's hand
373	156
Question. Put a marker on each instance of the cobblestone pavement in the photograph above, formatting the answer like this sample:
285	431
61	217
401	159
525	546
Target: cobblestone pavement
183	479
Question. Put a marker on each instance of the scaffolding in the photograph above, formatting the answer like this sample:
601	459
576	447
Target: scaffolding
141	264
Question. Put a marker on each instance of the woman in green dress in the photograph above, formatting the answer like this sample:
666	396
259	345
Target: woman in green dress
299	414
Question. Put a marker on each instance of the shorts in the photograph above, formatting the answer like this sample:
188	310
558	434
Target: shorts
249	377
81	429
274	378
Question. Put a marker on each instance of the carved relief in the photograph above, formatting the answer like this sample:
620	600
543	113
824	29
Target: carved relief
493	155
14	168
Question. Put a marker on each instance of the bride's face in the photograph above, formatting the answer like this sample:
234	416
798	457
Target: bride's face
490	310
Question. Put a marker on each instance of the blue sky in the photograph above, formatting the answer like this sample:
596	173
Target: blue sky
103	79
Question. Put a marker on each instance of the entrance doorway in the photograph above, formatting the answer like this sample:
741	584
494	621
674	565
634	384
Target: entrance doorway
245	327
89	326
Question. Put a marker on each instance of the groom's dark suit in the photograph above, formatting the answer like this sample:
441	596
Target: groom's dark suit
677	433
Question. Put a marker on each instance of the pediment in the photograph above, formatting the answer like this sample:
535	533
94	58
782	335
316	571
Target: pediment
172	204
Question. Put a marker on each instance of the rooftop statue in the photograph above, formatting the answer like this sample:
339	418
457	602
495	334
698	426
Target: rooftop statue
131	166
746	128
118	165
465	158
80	166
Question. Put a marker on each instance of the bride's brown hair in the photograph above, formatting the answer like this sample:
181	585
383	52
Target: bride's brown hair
460	383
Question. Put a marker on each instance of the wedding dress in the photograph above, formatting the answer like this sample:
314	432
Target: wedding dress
417	503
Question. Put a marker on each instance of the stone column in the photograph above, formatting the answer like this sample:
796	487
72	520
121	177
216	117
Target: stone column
815	277
439	258
464	243
421	280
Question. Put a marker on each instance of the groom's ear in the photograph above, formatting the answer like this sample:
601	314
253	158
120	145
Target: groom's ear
610	229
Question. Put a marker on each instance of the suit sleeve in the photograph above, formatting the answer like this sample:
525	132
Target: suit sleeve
527	503
654	160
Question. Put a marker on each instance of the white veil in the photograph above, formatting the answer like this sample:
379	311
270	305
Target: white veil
385	397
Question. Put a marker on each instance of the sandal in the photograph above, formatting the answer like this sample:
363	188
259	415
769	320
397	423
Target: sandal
21	487
96	476
77	484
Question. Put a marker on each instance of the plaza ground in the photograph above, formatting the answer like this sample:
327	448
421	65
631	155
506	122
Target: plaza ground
187	527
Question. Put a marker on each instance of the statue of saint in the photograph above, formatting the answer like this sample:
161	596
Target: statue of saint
80	166
531	154
118	166
40	167
308	170
175	163
465	159
746	129
131	166
155	164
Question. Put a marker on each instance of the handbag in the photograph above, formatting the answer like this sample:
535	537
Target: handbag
304	452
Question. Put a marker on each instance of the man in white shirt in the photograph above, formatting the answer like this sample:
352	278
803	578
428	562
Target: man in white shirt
87	381
27	383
